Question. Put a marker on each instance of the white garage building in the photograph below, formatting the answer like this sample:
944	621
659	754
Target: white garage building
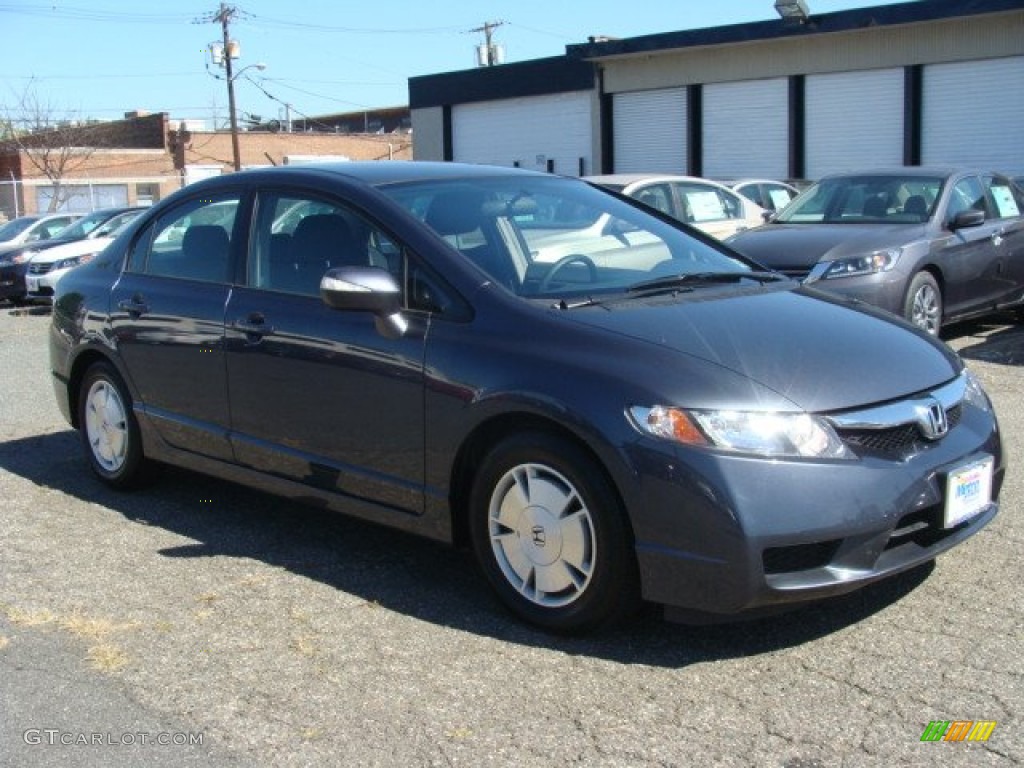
915	83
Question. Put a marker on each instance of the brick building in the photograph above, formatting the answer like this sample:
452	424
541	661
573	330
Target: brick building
145	157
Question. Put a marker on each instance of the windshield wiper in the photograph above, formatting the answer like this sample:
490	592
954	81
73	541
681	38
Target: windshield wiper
674	282
587	301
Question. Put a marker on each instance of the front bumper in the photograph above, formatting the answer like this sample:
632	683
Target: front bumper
727	534
881	289
41	286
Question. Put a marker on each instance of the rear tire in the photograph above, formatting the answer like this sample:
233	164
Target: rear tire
551	536
109	430
923	306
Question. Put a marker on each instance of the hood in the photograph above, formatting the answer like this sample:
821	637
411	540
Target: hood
803	245
817	351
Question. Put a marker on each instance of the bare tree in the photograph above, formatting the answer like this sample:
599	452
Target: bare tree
55	142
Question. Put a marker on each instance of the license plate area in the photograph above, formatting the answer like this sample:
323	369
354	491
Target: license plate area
968	491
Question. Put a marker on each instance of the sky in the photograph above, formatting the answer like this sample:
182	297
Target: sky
101	58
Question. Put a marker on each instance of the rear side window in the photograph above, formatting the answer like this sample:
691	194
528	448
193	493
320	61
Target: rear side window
191	241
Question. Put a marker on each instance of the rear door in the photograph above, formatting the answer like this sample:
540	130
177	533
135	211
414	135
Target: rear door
167	320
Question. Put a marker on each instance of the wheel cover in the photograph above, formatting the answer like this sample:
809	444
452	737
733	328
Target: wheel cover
106	426
542	535
926	312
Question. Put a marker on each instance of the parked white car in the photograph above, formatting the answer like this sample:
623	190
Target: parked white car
47	267
707	205
769	194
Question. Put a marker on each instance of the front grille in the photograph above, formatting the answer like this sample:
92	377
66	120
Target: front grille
796	273
39	269
799	557
894	441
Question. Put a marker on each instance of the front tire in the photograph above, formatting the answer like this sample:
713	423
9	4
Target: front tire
108	429
923	306
551	536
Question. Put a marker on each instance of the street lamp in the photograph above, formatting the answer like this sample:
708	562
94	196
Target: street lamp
222	54
231	106
792	10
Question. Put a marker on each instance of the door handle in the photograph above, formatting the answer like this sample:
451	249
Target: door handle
253	325
134	306
997	237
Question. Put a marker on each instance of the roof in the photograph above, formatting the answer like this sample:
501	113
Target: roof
839	21
389	172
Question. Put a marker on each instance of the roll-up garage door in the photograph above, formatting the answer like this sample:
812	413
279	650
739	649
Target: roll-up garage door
529	131
972	113
854	121
746	129
649	131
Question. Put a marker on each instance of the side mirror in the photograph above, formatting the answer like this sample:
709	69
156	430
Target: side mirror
366	289
965	219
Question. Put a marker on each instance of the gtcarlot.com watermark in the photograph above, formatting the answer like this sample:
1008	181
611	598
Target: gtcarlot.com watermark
53	737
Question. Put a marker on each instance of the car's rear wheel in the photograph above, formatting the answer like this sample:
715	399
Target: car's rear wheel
923	306
109	430
551	536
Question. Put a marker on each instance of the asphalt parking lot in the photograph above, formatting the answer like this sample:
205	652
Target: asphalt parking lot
281	635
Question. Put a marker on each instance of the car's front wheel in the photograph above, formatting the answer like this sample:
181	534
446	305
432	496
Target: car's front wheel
923	306
108	428
551	536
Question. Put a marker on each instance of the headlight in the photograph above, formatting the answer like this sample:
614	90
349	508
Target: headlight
774	434
17	258
867	264
975	393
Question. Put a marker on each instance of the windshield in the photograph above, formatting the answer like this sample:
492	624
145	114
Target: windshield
83	226
15	227
872	199
546	236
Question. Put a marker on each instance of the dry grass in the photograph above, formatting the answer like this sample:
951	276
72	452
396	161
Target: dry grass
25	618
107	657
304	645
102	654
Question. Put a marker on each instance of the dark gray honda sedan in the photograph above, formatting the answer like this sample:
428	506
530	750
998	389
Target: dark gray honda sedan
646	416
933	245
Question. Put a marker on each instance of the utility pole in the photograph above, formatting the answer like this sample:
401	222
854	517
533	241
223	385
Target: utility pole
224	16
490	57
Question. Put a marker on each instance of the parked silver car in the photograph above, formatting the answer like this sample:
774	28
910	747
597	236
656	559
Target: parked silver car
933	245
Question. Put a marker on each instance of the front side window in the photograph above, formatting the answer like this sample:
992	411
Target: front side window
297	238
191	241
967	194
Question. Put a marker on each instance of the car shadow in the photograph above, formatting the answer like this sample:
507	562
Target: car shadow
407	574
988	341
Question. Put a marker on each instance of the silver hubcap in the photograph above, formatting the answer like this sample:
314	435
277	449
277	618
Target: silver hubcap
926	311
542	535
106	425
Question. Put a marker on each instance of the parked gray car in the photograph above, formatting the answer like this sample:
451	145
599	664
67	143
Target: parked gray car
932	245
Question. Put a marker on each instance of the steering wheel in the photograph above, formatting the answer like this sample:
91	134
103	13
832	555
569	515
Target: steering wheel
572	258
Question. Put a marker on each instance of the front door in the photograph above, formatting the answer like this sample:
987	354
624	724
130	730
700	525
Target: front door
321	396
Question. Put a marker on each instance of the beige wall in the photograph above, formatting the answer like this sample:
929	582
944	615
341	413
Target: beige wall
985	37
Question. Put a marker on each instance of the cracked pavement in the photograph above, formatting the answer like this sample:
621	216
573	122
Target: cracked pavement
291	637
